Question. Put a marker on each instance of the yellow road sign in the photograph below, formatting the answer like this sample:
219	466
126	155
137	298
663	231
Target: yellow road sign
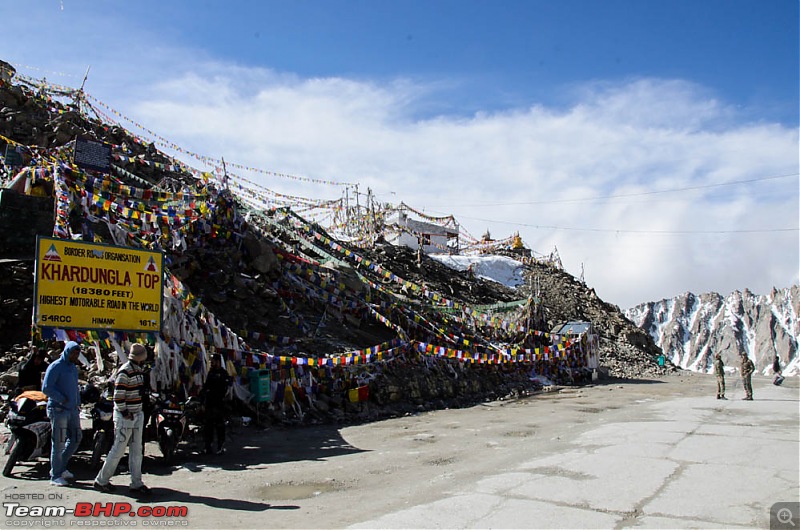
82	285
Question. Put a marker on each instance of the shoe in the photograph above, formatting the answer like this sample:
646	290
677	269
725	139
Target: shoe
142	491
66	475
748	399
220	450
105	488
723	397
58	482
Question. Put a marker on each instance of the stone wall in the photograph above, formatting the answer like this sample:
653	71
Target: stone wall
22	218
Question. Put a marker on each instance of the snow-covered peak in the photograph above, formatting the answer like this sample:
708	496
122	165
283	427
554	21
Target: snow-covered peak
691	329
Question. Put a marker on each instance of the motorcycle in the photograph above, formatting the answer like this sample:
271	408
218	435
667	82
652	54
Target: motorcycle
102	432
172	423
30	432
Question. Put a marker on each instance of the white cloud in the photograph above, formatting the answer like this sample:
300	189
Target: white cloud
648	103
636	136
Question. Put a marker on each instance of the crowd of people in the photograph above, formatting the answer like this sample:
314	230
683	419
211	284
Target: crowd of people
59	382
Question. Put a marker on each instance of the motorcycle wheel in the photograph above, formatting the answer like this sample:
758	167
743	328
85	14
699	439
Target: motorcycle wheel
167	447
13	457
98	450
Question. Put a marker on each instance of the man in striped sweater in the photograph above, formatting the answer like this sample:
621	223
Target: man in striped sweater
128	424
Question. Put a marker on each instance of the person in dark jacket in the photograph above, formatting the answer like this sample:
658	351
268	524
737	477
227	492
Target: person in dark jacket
30	375
776	368
63	408
213	395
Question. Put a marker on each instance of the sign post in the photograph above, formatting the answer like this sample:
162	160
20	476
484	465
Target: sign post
14	156
92	155
92	286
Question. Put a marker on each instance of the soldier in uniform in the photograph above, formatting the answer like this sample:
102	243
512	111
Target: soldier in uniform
719	369
747	371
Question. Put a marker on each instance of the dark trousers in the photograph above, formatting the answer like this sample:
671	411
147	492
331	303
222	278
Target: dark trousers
214	422
748	386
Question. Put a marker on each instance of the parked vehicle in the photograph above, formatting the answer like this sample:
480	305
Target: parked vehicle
172	423
30	432
102	432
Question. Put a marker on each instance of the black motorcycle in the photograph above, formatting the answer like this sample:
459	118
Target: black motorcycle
172	423
102	414
30	432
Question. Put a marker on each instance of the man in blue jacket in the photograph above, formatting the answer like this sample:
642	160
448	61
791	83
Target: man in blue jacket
63	408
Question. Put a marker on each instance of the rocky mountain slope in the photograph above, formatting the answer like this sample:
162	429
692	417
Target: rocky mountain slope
691	328
282	283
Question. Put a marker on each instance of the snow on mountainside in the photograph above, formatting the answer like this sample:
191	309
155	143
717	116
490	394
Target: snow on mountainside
500	269
691	329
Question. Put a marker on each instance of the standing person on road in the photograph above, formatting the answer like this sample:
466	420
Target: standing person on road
747	371
30	375
213	394
719	369
128	424
776	368
63	408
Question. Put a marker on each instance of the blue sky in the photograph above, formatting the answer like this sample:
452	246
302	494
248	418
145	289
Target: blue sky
516	53
610	129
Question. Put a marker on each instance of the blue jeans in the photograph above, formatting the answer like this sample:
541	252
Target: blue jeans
65	438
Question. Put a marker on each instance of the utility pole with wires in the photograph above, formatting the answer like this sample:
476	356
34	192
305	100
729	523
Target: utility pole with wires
224	174
534	317
358	204
79	97
346	201
85	77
